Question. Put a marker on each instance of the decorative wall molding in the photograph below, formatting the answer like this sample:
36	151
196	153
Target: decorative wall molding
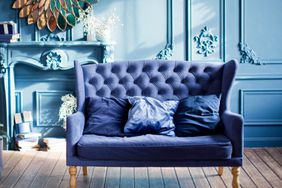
189	31
19	101
263	141
206	42
248	55
167	52
55	60
51	37
257	121
48	117
259	77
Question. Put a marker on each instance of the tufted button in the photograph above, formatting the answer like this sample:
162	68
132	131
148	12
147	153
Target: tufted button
147	68
207	69
104	91
131	68
169	81
133	91
193	69
115	69
118	92
178	68
163	68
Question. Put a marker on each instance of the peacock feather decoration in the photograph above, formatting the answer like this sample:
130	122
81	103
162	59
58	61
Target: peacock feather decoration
54	14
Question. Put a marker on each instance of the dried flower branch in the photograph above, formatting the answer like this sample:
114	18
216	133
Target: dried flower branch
68	106
102	26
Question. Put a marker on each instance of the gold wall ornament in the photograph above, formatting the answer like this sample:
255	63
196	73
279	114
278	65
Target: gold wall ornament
54	14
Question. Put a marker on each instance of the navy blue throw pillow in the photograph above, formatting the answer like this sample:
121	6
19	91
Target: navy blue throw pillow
197	115
150	116
106	116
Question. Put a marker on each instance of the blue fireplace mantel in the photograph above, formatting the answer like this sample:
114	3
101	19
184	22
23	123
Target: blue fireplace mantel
49	61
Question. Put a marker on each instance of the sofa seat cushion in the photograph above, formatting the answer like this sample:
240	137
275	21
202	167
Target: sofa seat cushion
154	147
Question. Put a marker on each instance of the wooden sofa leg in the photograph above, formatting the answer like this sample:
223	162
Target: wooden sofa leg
72	171
220	171
84	169
235	180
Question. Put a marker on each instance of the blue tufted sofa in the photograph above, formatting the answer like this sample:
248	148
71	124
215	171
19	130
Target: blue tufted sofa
162	80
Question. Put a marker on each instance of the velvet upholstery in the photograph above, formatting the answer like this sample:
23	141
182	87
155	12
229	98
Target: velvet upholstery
106	116
163	80
197	115
149	147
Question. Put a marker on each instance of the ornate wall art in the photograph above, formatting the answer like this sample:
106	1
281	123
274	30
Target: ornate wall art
206	42
165	53
51	13
248	55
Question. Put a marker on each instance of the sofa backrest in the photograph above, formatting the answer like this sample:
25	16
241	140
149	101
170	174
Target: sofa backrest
155	78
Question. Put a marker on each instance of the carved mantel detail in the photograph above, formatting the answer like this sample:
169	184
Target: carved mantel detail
51	37
55	59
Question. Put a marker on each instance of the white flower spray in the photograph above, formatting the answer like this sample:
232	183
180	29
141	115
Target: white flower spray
102	26
68	107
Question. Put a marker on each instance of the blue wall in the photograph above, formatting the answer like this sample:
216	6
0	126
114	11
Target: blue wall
255	24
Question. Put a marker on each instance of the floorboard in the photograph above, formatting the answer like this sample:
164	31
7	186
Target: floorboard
98	178
214	180
19	169
46	169
30	169
199	177
155	177
269	175
184	177
113	177
169	178
141	177
126	177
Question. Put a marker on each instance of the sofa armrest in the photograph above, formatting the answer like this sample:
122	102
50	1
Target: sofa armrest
75	126
233	129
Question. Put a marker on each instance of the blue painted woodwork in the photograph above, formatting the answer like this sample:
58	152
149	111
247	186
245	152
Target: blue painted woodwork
248	30
47	104
167	52
43	75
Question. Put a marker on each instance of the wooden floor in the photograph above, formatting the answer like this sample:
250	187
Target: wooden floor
262	168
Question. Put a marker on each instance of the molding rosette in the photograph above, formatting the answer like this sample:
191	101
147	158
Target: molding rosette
248	55
206	42
51	37
55	60
165	53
